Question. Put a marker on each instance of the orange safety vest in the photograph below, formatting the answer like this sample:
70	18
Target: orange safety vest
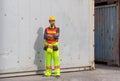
52	32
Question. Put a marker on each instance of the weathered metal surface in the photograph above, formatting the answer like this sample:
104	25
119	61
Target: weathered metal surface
109	1
22	23
106	34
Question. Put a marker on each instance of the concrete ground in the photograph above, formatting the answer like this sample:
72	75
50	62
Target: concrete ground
102	73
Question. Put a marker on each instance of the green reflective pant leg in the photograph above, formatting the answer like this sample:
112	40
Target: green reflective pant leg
56	59
48	61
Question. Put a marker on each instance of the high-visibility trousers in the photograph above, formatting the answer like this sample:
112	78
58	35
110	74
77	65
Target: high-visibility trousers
50	55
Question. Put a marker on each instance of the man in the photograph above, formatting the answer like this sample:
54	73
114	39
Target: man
51	36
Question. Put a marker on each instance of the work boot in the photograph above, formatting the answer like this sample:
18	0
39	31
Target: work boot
57	73
48	73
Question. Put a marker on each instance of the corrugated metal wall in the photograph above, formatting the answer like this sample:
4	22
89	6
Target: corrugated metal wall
22	23
106	34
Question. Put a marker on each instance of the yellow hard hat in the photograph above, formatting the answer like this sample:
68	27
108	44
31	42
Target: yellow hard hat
52	18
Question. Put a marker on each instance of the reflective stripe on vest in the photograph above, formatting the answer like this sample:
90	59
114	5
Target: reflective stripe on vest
51	31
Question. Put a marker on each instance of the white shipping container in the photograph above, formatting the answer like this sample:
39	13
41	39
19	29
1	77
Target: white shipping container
22	24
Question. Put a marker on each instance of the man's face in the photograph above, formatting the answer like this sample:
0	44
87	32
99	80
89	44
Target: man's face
52	22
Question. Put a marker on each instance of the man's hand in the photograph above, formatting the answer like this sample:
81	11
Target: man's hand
50	37
56	34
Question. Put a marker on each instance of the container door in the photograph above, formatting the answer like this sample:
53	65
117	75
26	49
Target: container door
106	34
